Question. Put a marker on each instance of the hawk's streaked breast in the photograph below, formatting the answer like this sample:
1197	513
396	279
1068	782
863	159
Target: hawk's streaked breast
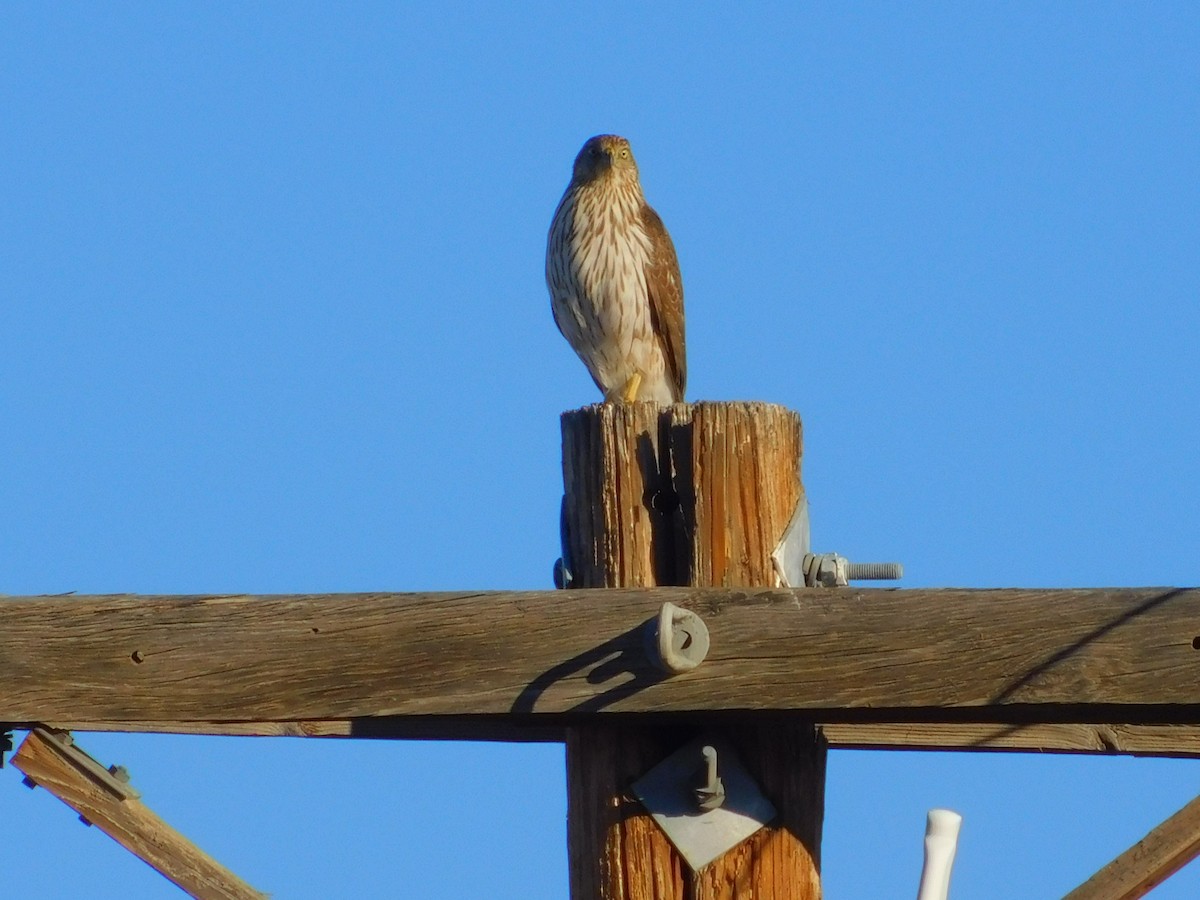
614	281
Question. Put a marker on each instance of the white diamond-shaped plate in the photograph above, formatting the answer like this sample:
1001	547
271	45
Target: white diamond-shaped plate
667	792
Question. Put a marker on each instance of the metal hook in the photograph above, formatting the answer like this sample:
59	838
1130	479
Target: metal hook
679	639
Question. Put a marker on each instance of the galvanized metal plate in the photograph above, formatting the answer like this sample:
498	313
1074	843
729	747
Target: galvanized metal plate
789	555
668	793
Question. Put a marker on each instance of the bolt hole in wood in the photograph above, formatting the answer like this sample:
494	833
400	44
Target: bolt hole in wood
139	657
1196	642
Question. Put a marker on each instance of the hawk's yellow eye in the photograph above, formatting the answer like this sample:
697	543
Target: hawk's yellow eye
624	153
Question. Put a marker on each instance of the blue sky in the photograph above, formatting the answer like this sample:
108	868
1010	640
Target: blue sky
272	319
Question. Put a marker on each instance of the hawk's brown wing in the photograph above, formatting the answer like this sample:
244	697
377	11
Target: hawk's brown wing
665	288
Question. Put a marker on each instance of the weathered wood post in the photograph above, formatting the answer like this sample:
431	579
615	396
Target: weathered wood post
693	495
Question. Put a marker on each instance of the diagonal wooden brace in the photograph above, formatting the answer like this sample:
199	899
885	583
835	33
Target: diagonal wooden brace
52	761
1151	861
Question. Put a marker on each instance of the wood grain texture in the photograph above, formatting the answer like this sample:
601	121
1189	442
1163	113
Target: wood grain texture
1149	862
1121	656
130	823
783	860
684	495
1174	741
616	851
624	523
1178	741
690	494
739	489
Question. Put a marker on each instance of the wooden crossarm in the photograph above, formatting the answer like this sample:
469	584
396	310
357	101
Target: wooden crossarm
844	655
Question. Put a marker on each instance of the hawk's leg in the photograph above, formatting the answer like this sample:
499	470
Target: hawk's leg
630	391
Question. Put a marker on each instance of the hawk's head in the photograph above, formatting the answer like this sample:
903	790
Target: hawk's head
603	156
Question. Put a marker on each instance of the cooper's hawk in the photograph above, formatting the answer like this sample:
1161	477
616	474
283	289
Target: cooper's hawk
614	279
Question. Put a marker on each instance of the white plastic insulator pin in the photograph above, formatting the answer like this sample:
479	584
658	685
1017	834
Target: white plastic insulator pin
941	842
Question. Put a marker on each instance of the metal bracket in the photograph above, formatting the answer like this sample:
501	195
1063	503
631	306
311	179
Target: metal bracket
796	565
677	639
562	565
681	794
795	544
114	779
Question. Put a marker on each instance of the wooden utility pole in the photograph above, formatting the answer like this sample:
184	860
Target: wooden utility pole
665	508
692	495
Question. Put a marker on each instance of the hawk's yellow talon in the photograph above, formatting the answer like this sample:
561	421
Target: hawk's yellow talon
629	394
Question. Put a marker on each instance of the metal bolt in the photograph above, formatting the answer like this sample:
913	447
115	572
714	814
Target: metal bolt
831	570
120	773
874	571
711	794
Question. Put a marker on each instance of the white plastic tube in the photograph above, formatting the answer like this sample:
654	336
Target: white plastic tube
941	842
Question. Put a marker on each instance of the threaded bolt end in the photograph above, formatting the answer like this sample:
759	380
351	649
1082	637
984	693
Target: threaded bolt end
874	571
